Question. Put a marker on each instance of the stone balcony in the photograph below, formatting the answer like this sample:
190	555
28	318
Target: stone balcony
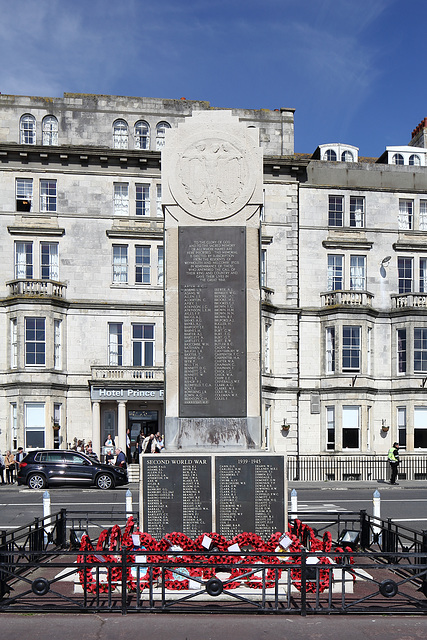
37	288
267	295
405	300
346	298
128	374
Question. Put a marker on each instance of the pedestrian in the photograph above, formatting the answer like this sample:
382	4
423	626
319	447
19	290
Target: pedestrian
9	463
121	459
160	443
150	444
2	468
128	447
393	459
20	455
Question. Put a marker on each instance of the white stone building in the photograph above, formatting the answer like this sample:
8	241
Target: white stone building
343	273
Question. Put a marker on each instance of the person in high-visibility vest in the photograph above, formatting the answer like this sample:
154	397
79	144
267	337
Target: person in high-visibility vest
393	459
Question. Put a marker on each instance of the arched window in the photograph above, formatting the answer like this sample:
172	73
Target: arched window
397	159
414	160
27	130
50	131
347	156
142	135
330	155
160	134
120	134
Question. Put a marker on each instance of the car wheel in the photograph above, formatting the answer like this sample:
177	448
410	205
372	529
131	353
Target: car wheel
104	481
36	481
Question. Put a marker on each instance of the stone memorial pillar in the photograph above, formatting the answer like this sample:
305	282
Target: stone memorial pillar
212	195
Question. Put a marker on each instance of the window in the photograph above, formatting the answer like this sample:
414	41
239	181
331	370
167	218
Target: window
350	348
24	194
357	212
414	160
335	272
406	212
357	273
335	212
57	334
330	428
50	131
404	269
49	266
24	260
34	425
121	199
267	349
397	158
330	350
35	341
350	427
401	426
423	275
120	135
263	267
423	215
142	199
143	265
160	265
27	130
115	344
13	343
420	428
142	135
143	345
160	134
14	423
401	351
368	350
47	195
159	200
330	155
120	263
420	350
347	156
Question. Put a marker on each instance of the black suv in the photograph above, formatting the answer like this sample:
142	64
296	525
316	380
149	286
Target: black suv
53	467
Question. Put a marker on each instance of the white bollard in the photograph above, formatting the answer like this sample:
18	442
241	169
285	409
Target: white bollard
294	503
376	511
129	507
47	511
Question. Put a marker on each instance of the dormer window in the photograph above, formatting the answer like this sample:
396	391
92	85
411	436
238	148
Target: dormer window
330	155
414	160
397	159
347	156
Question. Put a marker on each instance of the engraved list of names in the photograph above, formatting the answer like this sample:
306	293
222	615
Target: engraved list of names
177	495
212	316
249	495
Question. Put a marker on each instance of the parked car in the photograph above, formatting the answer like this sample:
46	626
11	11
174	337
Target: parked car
41	468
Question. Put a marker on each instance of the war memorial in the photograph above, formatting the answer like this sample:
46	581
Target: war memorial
214	476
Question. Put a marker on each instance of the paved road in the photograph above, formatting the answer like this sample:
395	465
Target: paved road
406	504
211	627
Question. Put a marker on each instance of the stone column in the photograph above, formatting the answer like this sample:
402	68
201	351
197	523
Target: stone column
122	427
96	428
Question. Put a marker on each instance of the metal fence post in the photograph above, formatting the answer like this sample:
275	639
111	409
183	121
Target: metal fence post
3	560
303	582
47	511
294	504
364	529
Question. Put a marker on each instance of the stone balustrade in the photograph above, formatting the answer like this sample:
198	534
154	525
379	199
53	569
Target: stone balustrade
128	374
347	298
37	288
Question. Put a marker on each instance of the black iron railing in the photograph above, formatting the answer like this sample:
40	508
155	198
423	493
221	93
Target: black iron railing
346	468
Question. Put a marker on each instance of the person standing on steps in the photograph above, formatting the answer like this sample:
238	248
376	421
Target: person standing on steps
393	459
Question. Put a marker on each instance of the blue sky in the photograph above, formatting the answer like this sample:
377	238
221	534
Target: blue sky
354	70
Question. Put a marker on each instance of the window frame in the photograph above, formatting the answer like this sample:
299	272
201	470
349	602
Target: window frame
120	134
27	134
57	344
36	356
161	128
420	349
335	210
143	264
348	431
330	350
405	268
357	282
418	412
115	344
143	346
330	428
121	198
50	131
406	214
120	263
49	261
142	138
357	210
142	199
24	194
27	264
48	195
351	348
335	272
402	351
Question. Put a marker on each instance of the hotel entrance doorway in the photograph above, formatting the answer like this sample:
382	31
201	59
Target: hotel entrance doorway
141	421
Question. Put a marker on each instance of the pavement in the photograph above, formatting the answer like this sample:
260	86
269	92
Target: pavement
184	626
333	485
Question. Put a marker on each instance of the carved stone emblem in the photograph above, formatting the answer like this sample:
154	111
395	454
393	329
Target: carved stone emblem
213	179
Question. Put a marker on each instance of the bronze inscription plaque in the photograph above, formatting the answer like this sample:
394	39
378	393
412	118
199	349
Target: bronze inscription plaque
212	322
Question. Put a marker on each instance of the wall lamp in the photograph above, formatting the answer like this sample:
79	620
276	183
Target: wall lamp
385	261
